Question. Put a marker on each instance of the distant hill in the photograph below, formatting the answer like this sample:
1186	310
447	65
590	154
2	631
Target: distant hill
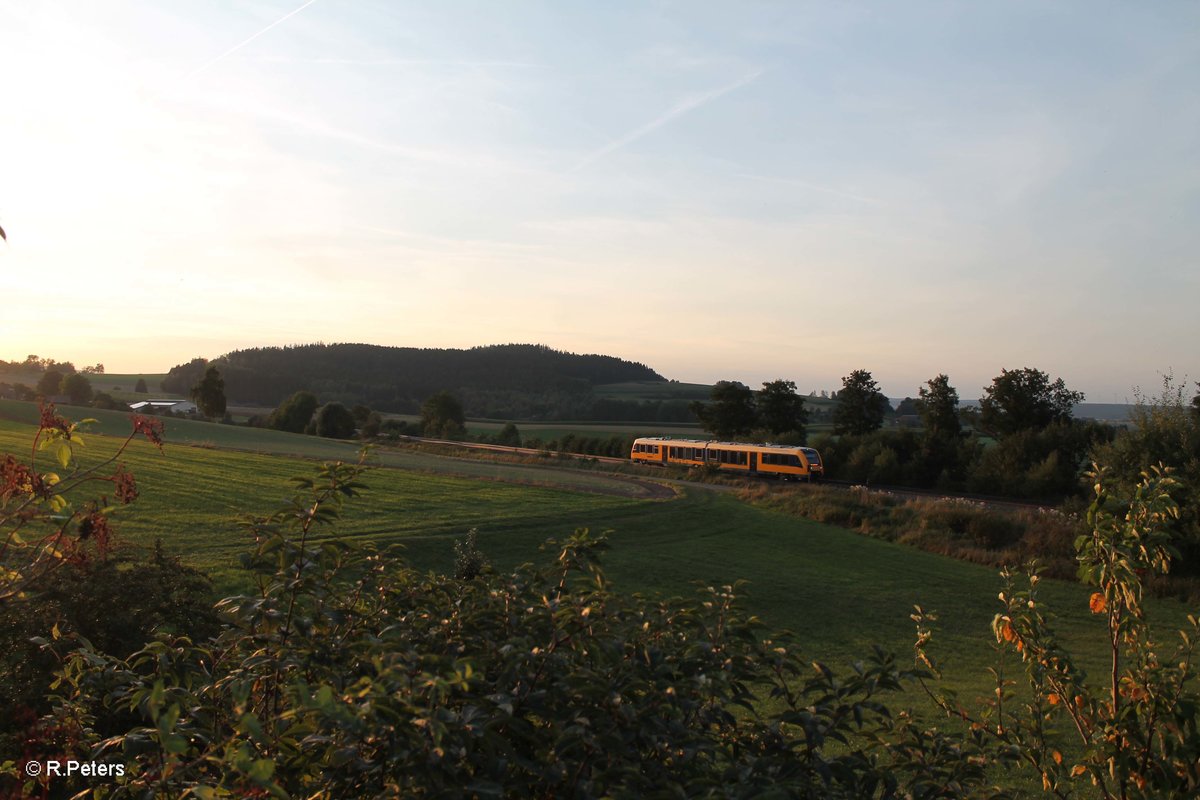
512	381
1103	412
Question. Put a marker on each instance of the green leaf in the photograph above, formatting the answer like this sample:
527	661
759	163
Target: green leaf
250	725
174	743
205	793
261	770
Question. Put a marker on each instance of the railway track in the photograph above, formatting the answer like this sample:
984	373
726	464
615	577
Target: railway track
991	501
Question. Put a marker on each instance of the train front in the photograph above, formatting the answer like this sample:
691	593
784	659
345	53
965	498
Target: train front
816	467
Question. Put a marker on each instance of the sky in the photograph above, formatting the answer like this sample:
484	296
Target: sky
741	191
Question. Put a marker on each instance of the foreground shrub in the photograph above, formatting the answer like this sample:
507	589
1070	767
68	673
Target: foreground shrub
1130	732
44	523
116	603
349	674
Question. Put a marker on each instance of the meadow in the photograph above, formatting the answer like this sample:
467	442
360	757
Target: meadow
839	592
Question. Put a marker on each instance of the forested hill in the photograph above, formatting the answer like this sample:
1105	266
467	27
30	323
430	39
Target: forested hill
504	381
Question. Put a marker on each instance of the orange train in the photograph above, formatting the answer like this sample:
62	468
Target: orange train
786	462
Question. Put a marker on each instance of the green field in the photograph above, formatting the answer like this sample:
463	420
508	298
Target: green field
119	385
840	592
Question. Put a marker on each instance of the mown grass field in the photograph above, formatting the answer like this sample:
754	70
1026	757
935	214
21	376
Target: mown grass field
838	591
258	440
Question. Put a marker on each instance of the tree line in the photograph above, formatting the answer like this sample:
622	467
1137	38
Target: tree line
501	381
1021	441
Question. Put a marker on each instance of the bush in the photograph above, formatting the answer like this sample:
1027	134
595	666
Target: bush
350	674
295	413
469	560
117	603
334	421
1166	430
1131	732
509	436
105	401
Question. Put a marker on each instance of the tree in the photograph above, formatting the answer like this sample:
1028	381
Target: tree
372	425
731	412
442	416
781	409
183	377
141	387
860	405
77	387
334	421
938	408
50	383
295	413
509	436
209	393
105	401
1025	399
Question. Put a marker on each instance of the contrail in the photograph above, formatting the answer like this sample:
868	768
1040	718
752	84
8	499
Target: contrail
677	110
245	42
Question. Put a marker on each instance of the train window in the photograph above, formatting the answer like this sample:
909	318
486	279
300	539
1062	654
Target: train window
742	457
794	461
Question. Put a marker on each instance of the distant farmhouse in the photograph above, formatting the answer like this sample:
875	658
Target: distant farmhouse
159	406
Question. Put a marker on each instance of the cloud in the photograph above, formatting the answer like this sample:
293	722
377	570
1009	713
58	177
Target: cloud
678	110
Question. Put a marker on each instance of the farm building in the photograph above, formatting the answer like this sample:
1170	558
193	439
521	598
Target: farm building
158	406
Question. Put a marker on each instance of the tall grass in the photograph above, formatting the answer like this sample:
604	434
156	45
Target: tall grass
958	528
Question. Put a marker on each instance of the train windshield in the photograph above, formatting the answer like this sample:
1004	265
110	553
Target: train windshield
811	456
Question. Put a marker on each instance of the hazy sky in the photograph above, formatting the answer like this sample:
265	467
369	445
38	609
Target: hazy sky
735	190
